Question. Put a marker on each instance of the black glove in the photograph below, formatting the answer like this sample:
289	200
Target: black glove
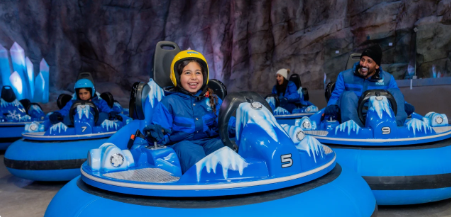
114	116
332	111
56	117
283	101
155	132
409	109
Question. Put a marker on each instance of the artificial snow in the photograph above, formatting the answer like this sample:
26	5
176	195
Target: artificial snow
349	125
83	110
107	124
224	156
281	111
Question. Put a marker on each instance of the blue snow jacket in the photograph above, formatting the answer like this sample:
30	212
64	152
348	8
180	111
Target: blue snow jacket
348	81
101	105
186	117
291	93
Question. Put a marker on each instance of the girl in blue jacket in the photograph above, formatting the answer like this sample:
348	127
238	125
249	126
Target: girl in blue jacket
84	90
286	90
189	114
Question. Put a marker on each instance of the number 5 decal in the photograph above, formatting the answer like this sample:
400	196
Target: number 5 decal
286	160
84	128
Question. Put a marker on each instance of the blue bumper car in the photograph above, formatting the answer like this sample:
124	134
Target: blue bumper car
303	109
55	152
406	164
275	171
14	115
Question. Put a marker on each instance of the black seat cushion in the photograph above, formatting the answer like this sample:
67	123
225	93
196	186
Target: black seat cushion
296	80
108	97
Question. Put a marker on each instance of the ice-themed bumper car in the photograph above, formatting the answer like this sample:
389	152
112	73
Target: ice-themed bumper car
406	164
275	171
14	115
55	152
303	107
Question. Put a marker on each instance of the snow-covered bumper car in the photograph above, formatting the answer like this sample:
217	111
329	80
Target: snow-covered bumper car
55	152
275	170
303	107
14	115
406	164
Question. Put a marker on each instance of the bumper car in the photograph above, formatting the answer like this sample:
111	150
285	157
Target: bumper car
55	152
303	108
406	164
275	171
14	115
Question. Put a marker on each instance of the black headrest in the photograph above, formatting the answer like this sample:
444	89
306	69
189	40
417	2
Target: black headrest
218	88
164	54
139	92
228	109
108	97
86	75
305	94
26	104
296	80
8	94
329	89
62	100
353	58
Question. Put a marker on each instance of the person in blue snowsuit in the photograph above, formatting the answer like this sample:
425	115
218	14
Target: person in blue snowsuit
84	90
364	75
189	114
286	91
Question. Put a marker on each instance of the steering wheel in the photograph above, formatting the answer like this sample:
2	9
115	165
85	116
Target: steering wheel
362	109
73	109
228	109
276	99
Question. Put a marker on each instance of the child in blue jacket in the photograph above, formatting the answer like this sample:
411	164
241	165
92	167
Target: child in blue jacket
190	113
84	90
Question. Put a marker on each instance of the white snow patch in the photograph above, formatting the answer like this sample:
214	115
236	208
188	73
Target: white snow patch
262	117
281	111
305	123
292	132
350	125
224	156
83	110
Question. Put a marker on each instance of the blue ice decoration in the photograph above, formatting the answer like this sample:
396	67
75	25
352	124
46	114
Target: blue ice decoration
34	127
156	93
5	69
248	114
42	83
312	146
416	125
109	158
30	77
281	111
307	109
435	119
272	102
350	125
58	128
380	105
296	133
20	80
14	110
109	125
305	123
226	157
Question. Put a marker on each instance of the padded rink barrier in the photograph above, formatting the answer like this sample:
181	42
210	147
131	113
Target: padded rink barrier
402	175
339	193
48	160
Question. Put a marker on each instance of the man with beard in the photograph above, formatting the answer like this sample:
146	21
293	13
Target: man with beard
364	75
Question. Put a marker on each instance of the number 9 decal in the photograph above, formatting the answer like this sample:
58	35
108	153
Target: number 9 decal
286	160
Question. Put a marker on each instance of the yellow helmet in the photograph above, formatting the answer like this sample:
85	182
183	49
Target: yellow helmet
188	55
